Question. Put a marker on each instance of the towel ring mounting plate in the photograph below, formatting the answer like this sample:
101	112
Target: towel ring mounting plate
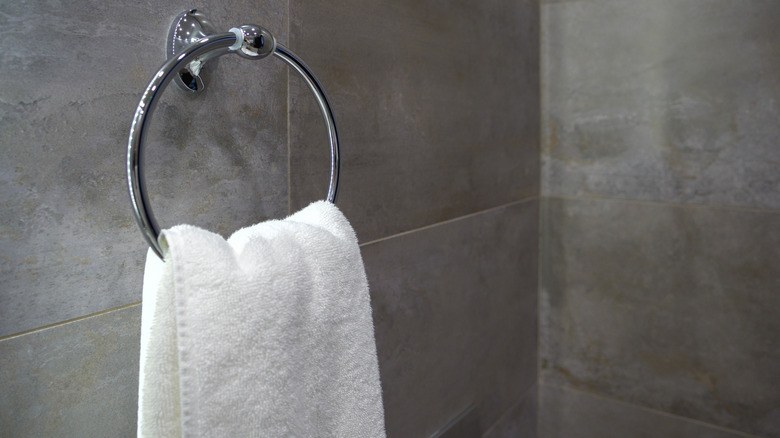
192	42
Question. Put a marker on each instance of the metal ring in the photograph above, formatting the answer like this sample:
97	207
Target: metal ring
212	43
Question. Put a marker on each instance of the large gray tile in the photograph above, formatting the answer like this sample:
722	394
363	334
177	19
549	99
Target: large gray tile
572	414
68	243
520	420
667	306
455	315
75	380
667	100
437	106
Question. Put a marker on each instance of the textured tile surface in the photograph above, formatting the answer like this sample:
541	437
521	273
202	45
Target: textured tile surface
572	414
455	315
69	245
667	306
437	107
75	380
519	421
671	100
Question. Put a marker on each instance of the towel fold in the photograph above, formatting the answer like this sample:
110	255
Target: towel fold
266	334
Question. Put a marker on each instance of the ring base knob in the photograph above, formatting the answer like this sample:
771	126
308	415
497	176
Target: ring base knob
188	28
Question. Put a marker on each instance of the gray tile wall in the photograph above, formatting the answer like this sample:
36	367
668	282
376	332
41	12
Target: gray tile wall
674	100
68	243
456	323
668	306
434	122
79	379
440	139
661	216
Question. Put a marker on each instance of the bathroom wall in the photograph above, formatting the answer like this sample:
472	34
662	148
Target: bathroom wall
438	112
661	219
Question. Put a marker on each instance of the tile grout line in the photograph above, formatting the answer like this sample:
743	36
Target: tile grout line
540	217
289	130
509	410
448	221
539	272
652	410
67	321
114	309
670	203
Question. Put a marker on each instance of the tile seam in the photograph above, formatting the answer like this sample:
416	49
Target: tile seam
652	410
508	410
541	183
289	127
67	321
539	272
138	303
669	203
448	221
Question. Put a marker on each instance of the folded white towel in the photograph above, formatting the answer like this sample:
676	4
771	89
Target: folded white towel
266	334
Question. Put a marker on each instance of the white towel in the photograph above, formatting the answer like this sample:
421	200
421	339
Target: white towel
266	334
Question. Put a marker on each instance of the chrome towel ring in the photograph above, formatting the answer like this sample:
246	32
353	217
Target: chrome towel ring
192	42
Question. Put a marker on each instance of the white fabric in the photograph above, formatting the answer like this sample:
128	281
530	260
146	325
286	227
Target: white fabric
266	334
